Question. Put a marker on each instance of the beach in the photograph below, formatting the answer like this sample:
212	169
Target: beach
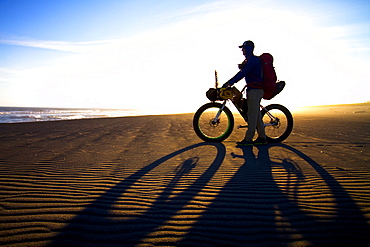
150	181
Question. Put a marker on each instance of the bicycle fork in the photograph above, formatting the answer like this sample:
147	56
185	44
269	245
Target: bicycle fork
216	119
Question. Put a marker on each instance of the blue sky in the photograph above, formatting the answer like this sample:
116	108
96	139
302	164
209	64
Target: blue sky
162	54
81	20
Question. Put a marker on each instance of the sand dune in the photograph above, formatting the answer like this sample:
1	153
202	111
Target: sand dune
141	181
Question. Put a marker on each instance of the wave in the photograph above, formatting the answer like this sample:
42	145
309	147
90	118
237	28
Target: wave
26	114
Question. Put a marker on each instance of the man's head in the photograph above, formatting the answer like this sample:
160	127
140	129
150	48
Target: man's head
247	48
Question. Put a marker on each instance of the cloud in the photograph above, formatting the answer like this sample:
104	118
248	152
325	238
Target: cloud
77	47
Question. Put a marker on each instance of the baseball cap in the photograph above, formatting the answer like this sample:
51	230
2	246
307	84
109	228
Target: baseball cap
247	43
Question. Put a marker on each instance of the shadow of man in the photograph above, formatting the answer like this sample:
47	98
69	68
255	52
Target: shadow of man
244	211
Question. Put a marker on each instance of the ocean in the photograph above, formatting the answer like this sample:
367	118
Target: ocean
30	114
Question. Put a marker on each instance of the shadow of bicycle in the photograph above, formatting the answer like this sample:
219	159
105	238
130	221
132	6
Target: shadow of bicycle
261	200
123	216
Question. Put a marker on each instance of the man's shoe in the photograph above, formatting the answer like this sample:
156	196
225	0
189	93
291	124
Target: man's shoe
245	143
260	141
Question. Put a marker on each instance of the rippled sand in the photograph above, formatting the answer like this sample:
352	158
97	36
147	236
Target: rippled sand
140	181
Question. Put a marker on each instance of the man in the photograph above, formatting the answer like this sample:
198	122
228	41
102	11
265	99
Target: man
251	71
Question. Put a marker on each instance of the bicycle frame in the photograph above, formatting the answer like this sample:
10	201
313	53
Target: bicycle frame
273	121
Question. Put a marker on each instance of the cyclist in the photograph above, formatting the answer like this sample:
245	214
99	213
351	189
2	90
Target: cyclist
251	70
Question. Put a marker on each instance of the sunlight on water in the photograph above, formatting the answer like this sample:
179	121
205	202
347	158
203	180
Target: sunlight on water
25	114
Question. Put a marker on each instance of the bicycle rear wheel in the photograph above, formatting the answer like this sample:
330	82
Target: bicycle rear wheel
278	122
210	129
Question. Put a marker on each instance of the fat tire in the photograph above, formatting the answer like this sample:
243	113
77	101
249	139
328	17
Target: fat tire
200	123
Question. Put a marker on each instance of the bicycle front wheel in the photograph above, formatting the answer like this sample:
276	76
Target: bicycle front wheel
212	124
278	122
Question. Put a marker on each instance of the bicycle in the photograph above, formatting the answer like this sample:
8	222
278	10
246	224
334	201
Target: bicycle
214	122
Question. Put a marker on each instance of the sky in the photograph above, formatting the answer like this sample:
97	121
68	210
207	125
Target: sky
161	55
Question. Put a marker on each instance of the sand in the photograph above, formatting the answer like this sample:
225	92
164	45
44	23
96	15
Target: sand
143	181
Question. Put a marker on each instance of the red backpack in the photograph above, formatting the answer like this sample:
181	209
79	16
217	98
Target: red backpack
269	76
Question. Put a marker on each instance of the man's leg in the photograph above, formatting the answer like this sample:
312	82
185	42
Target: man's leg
254	97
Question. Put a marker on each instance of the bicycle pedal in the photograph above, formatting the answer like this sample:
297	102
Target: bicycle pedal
242	126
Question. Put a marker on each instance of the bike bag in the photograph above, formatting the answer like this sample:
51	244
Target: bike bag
212	94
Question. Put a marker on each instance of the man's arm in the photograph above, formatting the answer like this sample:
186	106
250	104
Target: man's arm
243	72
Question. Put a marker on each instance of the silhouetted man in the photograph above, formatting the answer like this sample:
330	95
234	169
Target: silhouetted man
251	70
